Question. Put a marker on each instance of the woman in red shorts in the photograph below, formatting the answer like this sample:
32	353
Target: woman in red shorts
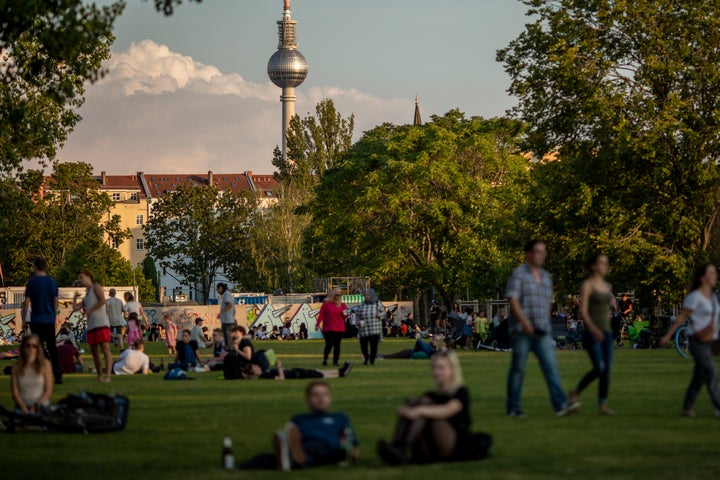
98	323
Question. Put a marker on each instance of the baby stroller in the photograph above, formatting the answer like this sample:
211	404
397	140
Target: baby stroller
498	340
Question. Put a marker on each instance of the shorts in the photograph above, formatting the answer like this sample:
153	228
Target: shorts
98	336
117	330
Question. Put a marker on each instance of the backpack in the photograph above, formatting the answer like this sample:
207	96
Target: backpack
82	413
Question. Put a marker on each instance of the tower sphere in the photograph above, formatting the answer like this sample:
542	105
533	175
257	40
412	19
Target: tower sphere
287	68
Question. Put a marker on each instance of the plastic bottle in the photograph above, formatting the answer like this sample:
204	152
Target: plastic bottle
228	457
346	442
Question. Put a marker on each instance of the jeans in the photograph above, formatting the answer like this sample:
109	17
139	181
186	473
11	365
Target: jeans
46	333
704	373
227	332
601	354
544	349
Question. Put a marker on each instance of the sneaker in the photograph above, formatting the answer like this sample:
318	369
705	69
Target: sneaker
516	414
389	454
568	410
607	412
282	451
345	370
687	413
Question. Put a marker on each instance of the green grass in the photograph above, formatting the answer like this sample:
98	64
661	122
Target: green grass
175	429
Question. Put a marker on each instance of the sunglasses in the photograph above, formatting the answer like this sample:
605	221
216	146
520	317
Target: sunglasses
31	345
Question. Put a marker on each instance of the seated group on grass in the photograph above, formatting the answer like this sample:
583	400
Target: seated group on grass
432	428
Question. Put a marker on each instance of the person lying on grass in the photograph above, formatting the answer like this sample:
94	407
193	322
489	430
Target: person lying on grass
422	349
436	426
253	370
311	439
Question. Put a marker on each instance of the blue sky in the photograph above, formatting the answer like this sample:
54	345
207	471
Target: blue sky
371	56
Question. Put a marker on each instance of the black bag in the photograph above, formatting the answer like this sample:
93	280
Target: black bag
476	446
83	413
232	367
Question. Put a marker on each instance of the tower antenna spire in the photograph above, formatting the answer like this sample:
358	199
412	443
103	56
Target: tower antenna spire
287	69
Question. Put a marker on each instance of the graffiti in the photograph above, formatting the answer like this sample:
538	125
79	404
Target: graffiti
7	326
78	324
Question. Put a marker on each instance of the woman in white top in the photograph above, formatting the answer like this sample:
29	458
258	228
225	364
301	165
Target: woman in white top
32	378
133	306
98	323
701	306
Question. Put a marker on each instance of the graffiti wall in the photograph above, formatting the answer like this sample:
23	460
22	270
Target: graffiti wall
277	315
268	315
183	316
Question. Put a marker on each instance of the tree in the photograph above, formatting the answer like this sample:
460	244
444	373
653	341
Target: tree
198	231
626	94
50	217
420	207
108	267
150	272
48	50
315	145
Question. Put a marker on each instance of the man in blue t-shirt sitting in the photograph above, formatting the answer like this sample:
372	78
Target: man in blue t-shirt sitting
309	439
318	437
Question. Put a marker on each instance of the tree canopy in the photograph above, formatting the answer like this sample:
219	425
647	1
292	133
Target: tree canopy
419	207
625	94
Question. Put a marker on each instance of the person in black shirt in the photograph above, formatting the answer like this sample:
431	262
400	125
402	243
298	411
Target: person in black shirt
186	352
263	370
436	426
239	355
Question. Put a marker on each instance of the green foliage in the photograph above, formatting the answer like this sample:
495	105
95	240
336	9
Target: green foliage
167	7
71	212
415	207
150	272
197	231
48	50
108	267
626	94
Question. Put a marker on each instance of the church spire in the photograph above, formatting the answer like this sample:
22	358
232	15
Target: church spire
417	121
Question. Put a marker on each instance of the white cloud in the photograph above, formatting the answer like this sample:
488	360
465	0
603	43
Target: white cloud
160	111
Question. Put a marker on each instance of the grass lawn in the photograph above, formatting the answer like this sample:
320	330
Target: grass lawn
175	429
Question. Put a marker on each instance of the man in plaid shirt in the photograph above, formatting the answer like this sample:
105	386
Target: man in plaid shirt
369	317
530	293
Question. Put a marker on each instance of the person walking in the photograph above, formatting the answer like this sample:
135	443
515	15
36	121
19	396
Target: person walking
701	306
227	311
530	294
114	307
369	321
170	333
332	315
41	299
596	299
98	324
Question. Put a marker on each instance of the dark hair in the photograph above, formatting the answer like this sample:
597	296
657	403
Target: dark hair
87	273
129	297
198	320
187	331
222	286
239	328
40	263
316	383
218	330
699	273
64	331
531	244
138	343
133	316
592	261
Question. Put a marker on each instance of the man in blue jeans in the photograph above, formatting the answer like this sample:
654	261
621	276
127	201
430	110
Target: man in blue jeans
530	293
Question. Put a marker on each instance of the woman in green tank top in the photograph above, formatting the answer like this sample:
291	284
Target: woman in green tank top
596	298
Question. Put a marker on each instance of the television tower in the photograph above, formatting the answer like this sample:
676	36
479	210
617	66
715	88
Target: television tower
287	69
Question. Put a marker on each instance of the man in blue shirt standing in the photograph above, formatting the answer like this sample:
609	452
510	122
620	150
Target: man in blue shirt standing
41	295
530	294
318	437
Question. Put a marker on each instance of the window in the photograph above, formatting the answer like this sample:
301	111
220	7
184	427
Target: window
139	220
140	244
116	197
134	196
115	243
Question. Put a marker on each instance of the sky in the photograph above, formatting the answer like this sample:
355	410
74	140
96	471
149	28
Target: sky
190	92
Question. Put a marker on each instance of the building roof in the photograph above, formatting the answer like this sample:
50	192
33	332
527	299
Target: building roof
121	182
264	184
159	184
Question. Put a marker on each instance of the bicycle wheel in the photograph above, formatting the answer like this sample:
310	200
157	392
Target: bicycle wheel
682	343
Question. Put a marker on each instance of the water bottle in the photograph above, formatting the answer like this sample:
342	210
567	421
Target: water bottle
346	443
228	458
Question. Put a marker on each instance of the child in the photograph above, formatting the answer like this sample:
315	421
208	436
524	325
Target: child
170	333
133	325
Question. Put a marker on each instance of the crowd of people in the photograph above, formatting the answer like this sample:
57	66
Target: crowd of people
436	426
